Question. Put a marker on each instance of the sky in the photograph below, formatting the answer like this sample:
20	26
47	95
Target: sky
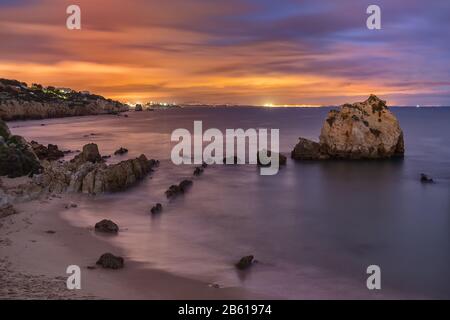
255	52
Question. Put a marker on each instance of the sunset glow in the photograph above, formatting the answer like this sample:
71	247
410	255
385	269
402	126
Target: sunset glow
243	52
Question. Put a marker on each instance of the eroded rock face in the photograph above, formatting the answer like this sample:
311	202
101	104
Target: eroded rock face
88	173
19	101
363	130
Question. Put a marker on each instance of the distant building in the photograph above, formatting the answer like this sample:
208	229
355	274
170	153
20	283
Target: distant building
65	90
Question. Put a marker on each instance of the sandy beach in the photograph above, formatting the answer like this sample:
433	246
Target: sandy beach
37	245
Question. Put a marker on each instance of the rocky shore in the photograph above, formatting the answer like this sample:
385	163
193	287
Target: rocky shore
18	101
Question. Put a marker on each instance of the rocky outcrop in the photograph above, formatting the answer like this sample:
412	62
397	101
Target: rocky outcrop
363	130
49	153
17	157
110	261
88	173
120	151
19	101
106	226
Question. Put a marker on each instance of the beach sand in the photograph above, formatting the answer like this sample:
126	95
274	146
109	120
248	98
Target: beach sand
37	246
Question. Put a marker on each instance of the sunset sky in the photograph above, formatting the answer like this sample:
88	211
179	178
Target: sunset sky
233	51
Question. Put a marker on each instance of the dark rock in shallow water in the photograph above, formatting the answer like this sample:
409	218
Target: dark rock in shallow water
425	179
106	226
110	261
185	184
175	190
50	153
156	209
198	171
90	153
245	263
121	151
281	158
308	150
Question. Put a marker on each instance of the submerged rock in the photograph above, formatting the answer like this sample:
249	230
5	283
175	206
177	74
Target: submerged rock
175	190
106	226
198	171
363	130
245	263
157	209
110	261
263	153
425	179
121	151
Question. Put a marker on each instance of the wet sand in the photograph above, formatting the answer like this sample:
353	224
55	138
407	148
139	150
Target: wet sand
37	246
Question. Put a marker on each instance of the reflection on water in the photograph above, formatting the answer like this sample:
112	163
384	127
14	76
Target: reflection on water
314	227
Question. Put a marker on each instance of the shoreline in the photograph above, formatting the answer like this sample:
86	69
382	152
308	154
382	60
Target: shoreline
25	242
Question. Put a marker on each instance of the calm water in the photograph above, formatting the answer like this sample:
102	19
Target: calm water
314	227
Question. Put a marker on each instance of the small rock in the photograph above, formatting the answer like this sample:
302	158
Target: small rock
71	205
50	232
121	151
174	190
245	263
110	261
156	209
425	179
91	267
198	171
106	226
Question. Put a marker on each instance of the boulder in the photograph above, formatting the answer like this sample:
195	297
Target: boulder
106	226
110	261
90	153
425	179
50	153
175	190
308	150
121	151
245	263
363	130
156	209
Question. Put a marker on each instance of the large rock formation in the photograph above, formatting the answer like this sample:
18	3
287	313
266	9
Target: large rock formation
16	155
88	173
363	130
18	101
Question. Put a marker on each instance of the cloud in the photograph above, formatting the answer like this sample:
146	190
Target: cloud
236	51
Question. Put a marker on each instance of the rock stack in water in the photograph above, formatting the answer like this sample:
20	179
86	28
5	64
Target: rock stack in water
363	130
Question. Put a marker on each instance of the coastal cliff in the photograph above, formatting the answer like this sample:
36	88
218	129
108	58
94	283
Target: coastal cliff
18	101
